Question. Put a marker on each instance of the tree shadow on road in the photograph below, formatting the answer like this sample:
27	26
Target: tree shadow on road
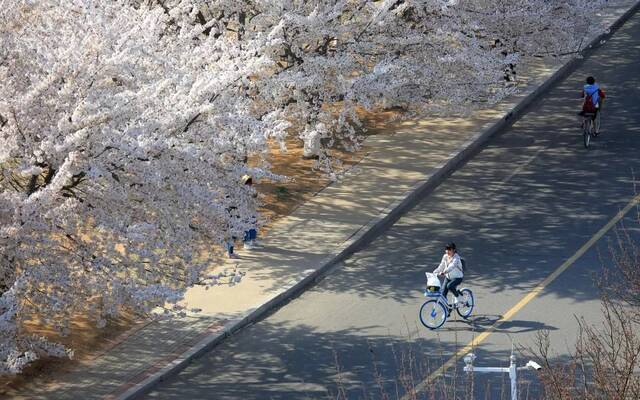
284	362
483	322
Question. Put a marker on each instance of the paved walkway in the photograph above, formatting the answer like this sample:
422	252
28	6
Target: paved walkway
399	161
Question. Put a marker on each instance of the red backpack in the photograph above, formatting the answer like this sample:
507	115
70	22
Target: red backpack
589	106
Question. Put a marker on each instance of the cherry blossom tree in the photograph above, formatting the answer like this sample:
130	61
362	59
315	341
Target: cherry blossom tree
125	126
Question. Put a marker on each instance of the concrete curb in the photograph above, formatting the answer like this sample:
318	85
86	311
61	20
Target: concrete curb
375	226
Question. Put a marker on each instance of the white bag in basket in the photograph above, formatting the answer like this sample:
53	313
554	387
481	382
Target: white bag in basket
432	279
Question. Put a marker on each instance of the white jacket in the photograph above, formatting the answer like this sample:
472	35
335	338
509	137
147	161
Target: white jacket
450	267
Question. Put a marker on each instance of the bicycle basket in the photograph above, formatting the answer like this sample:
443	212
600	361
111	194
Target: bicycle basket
433	282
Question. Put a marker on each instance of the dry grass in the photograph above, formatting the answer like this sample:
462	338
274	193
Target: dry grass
88	342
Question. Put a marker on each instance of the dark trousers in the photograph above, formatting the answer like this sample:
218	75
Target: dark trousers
251	234
595	113
451	284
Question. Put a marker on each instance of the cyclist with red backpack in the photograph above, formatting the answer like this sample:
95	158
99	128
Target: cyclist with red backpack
593	98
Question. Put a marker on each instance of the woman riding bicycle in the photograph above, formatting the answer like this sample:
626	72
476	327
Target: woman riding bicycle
451	268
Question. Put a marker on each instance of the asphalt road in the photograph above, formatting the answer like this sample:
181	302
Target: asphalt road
518	210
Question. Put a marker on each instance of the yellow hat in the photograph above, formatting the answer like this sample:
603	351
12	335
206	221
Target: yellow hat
245	179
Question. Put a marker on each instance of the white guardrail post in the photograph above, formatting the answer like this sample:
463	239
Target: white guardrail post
512	370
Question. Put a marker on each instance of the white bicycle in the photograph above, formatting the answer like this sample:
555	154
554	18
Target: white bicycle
435	311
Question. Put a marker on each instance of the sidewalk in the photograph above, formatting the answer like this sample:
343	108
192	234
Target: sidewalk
403	163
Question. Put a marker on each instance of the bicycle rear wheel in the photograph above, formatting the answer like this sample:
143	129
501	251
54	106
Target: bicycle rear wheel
586	132
433	314
466	305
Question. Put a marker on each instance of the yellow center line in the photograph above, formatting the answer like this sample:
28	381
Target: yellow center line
526	299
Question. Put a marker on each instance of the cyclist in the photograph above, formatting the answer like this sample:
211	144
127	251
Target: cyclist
451	268
593	98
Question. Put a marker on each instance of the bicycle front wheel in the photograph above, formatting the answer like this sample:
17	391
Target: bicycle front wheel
433	314
465	305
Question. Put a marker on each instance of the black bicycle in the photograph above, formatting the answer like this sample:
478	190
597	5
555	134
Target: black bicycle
590	127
